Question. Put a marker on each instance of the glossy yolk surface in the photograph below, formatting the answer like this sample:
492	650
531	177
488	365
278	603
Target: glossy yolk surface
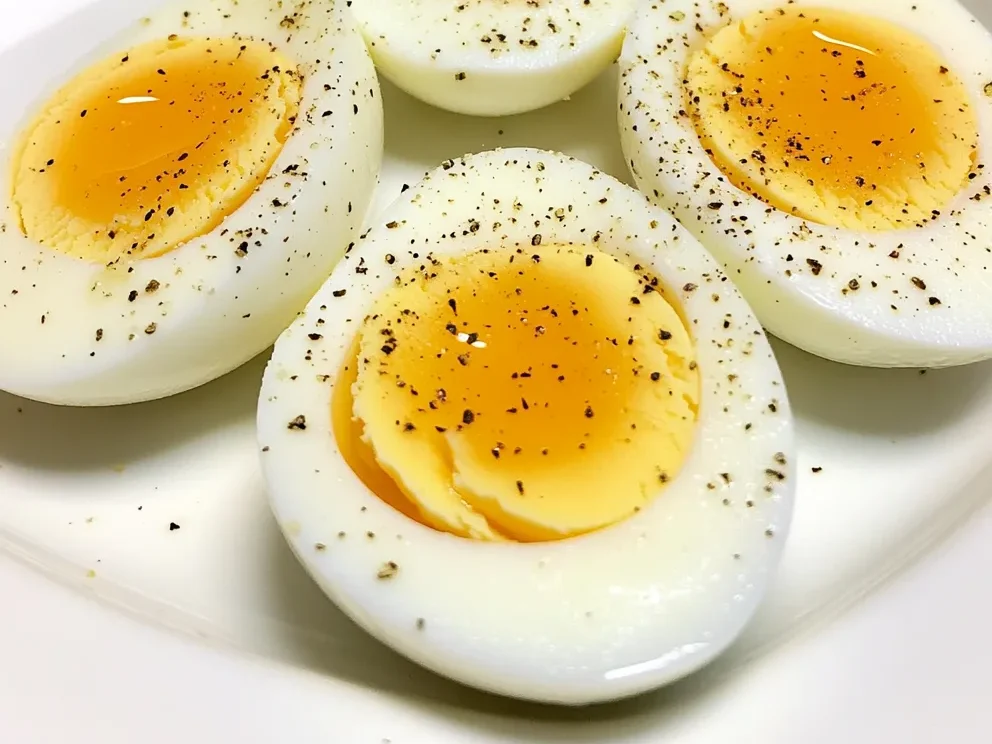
152	147
836	117
525	395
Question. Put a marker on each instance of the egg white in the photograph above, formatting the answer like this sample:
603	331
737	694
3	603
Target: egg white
488	58
213	309
587	619
845	313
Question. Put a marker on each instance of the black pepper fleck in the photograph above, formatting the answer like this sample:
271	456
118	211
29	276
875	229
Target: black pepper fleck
388	570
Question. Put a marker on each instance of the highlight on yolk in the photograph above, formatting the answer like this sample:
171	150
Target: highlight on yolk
840	118
153	147
523	395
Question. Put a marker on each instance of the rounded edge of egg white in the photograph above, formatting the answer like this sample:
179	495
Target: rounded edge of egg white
213	310
467	83
570	629
839	307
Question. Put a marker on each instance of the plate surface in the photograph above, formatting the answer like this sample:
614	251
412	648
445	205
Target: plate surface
909	665
159	508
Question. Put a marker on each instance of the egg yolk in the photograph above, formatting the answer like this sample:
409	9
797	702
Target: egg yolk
153	147
520	395
836	117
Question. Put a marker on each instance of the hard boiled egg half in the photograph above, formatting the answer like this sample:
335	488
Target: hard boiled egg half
168	210
832	154
531	436
492	58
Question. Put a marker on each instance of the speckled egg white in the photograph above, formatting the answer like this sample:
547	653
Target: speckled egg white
916	297
80	333
585	619
488	58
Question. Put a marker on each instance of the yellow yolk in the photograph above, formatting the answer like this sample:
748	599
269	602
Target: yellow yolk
525	395
840	118
348	431
155	146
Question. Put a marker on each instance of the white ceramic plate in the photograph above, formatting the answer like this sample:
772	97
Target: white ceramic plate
90	497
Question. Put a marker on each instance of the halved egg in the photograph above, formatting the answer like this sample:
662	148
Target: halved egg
831	154
488	58
531	436
171	207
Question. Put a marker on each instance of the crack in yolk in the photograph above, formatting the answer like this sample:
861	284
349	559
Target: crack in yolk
519	395
153	147
836	117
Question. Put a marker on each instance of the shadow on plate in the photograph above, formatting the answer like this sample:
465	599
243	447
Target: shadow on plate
431	135
886	403
59	438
